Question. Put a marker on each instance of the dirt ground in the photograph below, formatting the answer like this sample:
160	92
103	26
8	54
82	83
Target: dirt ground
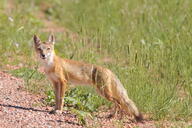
21	109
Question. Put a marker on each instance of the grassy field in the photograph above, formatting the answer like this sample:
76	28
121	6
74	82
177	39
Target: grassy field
146	43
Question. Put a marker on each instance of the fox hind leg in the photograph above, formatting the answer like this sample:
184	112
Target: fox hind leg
116	109
63	87
117	105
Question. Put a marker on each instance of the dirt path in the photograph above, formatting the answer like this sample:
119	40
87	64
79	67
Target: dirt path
19	108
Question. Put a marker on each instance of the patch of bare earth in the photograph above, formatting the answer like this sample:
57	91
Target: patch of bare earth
19	108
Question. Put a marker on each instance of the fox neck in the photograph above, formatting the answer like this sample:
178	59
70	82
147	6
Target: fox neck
50	60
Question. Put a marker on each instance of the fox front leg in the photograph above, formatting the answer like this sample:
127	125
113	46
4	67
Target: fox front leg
63	88
58	108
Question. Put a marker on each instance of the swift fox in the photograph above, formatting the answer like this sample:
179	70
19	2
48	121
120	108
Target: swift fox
62	72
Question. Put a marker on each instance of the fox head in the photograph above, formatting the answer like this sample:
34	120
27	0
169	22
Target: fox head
45	50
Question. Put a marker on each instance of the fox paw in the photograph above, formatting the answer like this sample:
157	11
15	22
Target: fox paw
55	112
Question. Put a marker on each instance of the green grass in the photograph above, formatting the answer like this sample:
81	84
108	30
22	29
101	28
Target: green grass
34	81
148	44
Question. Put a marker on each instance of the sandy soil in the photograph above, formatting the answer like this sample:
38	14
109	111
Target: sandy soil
19	108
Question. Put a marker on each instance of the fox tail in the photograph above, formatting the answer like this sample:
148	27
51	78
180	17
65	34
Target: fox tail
127	104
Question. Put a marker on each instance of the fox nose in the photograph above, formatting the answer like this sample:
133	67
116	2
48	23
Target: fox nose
43	56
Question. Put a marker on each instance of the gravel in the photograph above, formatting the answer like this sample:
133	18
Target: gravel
18	108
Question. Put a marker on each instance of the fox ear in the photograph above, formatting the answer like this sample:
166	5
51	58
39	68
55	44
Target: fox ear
51	39
36	40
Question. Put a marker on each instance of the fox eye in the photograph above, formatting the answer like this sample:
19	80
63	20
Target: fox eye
39	49
48	48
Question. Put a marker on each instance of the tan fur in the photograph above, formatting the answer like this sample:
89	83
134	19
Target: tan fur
62	72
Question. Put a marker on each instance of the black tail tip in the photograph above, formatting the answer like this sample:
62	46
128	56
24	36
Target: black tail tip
139	118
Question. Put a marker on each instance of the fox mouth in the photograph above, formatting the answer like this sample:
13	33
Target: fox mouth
43	58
